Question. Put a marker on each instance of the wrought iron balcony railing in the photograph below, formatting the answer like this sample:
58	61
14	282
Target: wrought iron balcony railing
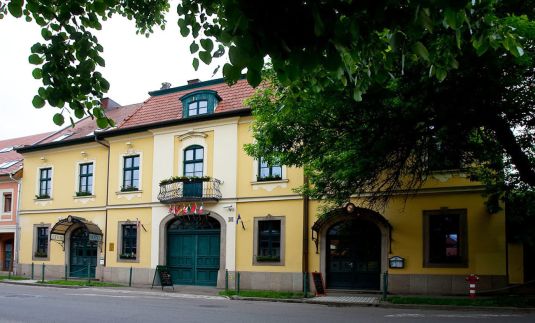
192	189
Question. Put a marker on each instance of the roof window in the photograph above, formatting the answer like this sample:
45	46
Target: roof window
60	138
199	103
8	164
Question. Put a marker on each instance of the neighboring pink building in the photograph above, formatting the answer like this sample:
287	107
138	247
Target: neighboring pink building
10	174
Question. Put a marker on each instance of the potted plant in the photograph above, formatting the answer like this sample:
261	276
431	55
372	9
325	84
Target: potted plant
83	193
40	254
268	258
268	178
42	197
129	256
186	179
129	189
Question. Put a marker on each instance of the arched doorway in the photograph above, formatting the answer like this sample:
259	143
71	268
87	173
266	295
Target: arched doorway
82	253
353	255
193	250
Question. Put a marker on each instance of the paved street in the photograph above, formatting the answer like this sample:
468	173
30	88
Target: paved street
40	304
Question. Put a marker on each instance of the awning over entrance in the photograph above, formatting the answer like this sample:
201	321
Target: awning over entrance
350	211
58	231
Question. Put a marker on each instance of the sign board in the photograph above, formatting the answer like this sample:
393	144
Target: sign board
95	237
57	237
317	278
163	273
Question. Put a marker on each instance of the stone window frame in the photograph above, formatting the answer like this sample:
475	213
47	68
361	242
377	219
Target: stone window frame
269	217
3	204
40	179
463	238
79	175
34	244
119	245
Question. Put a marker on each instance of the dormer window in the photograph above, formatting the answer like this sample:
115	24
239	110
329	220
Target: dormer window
199	103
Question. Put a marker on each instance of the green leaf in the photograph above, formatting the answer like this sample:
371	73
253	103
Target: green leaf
79	113
193	48
38	102
15	8
440	74
37	73
207	44
254	77
231	73
357	95
450	18
58	119
195	63
206	57
46	34
102	123
35	59
419	49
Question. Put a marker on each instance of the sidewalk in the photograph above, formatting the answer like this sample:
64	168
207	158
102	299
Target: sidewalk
213	293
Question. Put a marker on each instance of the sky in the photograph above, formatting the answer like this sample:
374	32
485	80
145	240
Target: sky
135	65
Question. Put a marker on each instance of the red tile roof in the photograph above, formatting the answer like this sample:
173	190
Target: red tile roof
87	126
166	105
12	155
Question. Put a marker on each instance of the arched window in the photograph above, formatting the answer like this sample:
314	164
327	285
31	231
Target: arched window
193	161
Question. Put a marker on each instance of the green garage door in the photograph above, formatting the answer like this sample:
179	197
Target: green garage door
193	245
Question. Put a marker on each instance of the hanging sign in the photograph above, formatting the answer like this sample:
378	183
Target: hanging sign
95	237
57	237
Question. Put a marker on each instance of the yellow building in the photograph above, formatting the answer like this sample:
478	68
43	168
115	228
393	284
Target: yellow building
172	186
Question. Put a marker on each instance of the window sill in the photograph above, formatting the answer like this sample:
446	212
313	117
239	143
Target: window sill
128	260
267	263
40	258
128	192
83	197
269	182
43	200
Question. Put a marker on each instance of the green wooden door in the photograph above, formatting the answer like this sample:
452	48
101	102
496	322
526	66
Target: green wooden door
8	262
193	251
82	253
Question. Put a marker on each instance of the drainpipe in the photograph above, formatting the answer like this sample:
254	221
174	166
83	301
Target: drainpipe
17	223
305	232
107	198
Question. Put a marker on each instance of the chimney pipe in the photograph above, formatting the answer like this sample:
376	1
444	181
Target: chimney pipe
193	81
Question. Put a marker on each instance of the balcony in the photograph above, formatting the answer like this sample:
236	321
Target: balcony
186	189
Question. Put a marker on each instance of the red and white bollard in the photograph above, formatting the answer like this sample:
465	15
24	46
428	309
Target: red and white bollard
472	280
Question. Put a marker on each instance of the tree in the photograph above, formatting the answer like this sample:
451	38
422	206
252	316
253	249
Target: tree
397	55
480	118
356	43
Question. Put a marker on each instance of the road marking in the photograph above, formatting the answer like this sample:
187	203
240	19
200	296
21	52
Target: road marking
475	315
155	293
118	296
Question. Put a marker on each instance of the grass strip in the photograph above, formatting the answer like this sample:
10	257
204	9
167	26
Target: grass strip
262	293
80	283
509	301
13	278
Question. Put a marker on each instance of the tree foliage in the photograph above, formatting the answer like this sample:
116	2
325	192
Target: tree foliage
480	118
355	44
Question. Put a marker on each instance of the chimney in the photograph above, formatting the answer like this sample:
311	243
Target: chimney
193	81
165	85
108	103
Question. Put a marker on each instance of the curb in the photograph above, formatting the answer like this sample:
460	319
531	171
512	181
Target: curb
14	282
387	305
